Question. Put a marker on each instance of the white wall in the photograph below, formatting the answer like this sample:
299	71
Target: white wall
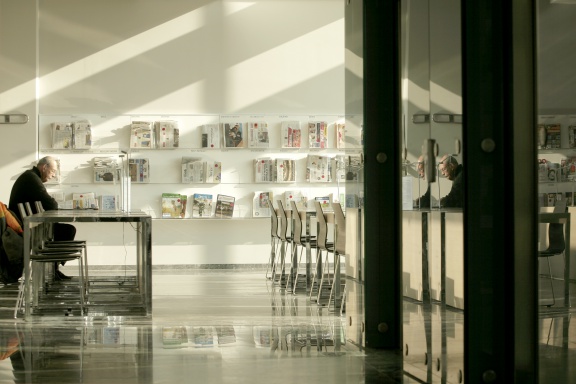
167	57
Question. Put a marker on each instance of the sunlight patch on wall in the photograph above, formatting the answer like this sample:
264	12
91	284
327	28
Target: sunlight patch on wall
445	99
253	80
418	96
122	52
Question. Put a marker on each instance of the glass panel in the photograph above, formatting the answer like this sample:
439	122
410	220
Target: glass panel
556	142
432	190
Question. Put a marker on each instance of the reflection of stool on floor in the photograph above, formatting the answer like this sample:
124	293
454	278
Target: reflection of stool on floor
285	240
299	242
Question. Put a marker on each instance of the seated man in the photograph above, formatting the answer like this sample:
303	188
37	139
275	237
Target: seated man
450	169
29	187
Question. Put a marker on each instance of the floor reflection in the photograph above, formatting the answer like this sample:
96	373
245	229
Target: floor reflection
230	327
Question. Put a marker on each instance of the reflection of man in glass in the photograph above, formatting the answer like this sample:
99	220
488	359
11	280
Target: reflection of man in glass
424	200
450	169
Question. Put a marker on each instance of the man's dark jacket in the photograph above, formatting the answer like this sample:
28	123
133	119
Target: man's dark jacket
30	188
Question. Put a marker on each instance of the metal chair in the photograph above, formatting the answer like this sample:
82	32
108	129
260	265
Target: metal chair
319	287
339	281
39	258
301	242
275	244
285	241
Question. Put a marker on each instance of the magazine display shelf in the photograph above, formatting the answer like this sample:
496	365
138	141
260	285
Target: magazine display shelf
110	137
556	140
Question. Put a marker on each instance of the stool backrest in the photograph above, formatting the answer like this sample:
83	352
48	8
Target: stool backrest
340	245
282	221
322	235
297	220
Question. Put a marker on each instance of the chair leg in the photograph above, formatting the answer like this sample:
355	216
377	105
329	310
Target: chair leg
314	275
272	259
551	282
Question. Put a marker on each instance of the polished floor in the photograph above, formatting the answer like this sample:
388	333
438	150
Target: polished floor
234	326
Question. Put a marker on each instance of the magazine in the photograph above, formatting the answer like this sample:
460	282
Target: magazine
167	134
285	170
210	136
139	170
318	134
224	206
340	135
84	201
82	134
318	169
173	205
108	203
106	170
201	205
233	135
295	196
203	337
291	134
141	135
262	204
61	135
213	172
174	337
258	135
264	170
193	170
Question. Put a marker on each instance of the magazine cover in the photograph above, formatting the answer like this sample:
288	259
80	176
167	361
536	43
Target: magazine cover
285	170
213	172
201	205
291	134
61	135
193	170
108	203
262	204
264	170
210	136
295	196
141	135
203	337
139	170
224	206
318	169
82	134
258	135
340	135
106	170
167	134
318	134
173	205
233	135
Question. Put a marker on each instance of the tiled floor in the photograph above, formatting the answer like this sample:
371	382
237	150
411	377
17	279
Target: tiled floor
235	327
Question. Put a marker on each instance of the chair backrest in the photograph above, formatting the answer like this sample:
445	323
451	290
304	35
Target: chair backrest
340	245
22	211
322	235
28	209
560	206
39	207
274	222
282	221
556	244
297	220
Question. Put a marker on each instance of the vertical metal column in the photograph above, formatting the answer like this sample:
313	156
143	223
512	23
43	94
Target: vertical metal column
382	148
500	211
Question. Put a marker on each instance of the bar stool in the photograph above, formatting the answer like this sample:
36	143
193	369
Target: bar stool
285	241
318	288
39	258
339	281
301	242
275	243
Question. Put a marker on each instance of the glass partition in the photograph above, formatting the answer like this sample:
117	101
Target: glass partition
432	190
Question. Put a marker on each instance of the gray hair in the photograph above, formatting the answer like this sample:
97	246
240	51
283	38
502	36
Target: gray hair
51	161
